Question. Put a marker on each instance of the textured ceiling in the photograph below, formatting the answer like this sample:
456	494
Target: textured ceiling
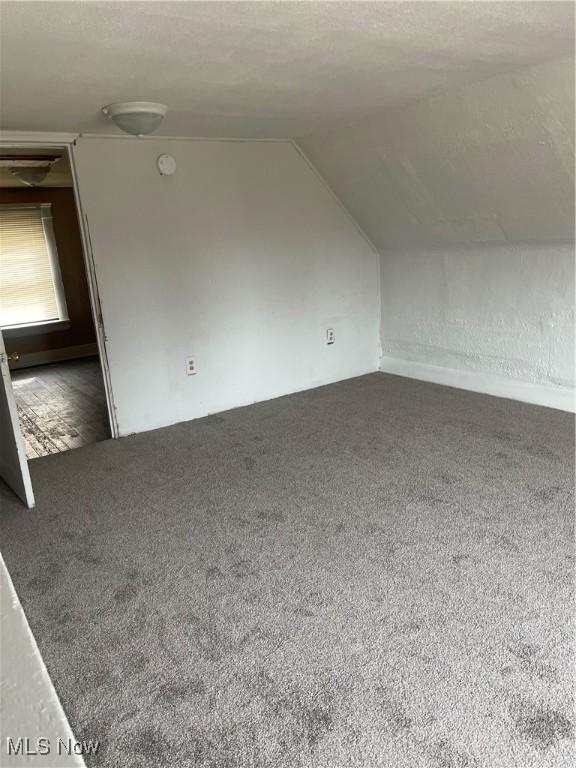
262	69
489	162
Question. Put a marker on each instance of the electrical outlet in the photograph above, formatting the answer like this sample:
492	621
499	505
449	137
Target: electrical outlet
191	366
330	336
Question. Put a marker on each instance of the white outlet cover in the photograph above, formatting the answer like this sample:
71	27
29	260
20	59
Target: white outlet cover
166	165
190	366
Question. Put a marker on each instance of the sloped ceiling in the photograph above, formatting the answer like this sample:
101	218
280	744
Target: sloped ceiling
256	69
491	161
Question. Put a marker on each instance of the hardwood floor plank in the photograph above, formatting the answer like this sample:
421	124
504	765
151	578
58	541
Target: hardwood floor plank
61	406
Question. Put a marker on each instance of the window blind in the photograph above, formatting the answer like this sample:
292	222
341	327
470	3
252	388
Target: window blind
27	274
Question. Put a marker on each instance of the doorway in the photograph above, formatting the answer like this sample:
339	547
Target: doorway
48	305
61	406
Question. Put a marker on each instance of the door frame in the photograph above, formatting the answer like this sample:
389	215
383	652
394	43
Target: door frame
14	470
67	142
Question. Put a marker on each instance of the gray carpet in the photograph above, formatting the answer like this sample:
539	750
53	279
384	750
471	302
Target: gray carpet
376	573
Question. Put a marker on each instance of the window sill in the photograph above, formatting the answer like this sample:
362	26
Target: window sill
34	329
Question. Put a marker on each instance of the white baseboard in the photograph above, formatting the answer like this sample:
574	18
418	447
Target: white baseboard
562	398
31	359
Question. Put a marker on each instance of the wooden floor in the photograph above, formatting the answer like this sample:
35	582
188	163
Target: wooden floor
61	406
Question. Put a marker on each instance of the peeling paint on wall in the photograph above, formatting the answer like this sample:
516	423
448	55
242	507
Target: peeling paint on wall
502	309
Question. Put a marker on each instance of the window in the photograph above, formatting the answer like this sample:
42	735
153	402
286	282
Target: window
31	290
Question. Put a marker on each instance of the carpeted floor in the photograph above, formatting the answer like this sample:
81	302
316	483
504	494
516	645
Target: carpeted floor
376	573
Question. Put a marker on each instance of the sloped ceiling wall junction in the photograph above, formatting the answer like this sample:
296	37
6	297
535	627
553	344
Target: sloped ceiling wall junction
469	197
490	162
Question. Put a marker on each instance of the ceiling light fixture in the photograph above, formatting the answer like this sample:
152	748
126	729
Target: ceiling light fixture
29	175
138	118
31	170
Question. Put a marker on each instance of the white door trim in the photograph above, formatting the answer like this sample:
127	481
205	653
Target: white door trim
94	295
14	469
36	138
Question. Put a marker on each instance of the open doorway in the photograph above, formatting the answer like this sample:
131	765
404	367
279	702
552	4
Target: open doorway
46	313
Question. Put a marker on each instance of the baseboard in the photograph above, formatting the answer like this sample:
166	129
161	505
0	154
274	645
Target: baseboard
561	398
31	359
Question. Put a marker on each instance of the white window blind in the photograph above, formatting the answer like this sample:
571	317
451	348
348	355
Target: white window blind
30	284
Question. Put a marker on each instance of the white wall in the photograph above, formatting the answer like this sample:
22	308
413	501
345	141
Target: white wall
242	259
30	707
469	197
483	314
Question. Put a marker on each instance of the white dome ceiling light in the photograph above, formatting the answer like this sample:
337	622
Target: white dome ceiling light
138	118
30	170
31	177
